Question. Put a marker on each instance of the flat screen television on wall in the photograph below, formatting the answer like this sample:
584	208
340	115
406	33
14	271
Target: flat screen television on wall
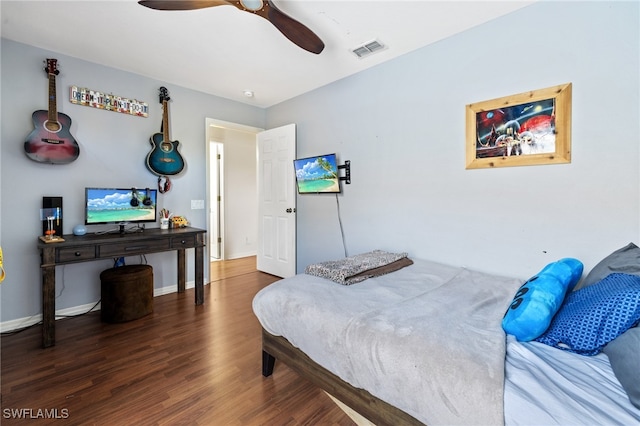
119	205
318	174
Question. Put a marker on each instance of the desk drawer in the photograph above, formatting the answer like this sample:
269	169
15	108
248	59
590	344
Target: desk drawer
184	241
71	254
133	247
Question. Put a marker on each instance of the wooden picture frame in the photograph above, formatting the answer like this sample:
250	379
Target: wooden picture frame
526	129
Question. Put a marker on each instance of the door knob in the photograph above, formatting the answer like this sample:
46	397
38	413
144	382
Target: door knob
290	210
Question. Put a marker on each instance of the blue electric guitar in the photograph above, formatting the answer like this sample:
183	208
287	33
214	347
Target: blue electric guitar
50	141
164	159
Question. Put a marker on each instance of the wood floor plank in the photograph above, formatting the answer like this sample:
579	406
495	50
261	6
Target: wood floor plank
181	364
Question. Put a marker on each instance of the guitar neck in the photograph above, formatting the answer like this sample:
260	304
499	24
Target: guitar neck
165	120
53	111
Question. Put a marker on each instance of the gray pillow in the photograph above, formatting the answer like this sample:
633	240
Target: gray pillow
624	356
625	260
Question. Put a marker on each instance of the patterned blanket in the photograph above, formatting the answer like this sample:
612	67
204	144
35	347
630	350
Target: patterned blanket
354	269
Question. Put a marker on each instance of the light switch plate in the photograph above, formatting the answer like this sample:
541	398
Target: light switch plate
197	204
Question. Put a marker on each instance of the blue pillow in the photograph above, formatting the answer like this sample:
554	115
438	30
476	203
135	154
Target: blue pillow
593	316
538	300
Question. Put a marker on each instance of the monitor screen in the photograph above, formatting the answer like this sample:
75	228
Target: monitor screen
317	174
114	205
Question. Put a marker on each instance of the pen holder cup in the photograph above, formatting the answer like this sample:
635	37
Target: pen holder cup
164	223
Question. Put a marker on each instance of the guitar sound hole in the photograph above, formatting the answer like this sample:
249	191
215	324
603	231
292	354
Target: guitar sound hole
52	126
166	147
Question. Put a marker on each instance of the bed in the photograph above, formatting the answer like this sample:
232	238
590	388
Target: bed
424	344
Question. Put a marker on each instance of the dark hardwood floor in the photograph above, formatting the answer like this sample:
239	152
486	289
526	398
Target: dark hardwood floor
182	364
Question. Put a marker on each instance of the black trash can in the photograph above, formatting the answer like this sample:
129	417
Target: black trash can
127	293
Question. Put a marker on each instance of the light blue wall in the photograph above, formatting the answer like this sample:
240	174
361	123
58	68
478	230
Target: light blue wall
113	151
402	126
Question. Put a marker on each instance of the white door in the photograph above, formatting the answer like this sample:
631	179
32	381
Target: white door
215	203
277	201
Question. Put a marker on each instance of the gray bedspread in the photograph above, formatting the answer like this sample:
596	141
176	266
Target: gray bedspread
426	339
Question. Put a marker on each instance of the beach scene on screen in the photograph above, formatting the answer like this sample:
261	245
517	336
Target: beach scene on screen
115	206
317	174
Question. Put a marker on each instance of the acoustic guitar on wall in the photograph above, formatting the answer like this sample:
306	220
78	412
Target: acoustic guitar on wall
164	158
50	141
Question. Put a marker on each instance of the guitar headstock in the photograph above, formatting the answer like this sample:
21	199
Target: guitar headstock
51	66
164	94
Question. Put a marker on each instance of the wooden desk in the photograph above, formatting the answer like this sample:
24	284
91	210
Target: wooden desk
108	246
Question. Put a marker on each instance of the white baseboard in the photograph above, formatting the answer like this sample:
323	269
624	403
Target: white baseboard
358	419
20	323
241	255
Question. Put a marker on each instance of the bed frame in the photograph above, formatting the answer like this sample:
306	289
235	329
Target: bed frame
375	410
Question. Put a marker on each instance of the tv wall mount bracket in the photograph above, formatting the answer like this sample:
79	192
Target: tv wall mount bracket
347	172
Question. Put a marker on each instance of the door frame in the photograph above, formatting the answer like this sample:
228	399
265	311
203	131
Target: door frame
216	202
209	123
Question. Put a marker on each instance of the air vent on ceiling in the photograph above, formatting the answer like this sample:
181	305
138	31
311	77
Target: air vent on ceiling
368	48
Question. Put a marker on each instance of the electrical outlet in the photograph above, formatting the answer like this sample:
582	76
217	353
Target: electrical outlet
197	204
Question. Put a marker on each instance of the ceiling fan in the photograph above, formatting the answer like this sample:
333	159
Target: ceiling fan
292	29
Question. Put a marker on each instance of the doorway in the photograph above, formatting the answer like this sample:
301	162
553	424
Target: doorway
231	189
251	194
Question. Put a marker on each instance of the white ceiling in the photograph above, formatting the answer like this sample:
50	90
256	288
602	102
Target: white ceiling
225	51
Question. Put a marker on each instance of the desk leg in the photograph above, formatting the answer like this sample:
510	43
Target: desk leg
199	269
182	271
48	306
199	261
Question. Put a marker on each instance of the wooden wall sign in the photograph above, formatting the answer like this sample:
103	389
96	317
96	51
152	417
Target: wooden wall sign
100	100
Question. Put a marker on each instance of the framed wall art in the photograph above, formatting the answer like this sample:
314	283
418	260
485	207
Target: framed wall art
531	128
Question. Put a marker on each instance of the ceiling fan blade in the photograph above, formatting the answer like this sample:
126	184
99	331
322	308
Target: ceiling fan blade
181	4
293	30
298	33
